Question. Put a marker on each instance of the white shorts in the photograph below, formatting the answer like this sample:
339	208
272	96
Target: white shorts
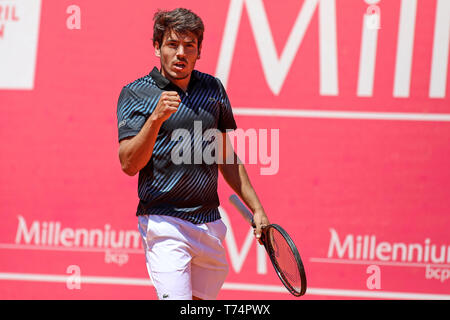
184	259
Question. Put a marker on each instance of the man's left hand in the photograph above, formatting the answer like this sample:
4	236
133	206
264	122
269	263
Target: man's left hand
260	219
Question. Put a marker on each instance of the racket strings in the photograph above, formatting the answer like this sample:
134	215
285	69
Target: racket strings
285	260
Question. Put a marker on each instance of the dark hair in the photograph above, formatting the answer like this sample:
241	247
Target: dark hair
180	20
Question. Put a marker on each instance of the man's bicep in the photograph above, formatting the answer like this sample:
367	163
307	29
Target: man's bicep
123	144
125	141
226	152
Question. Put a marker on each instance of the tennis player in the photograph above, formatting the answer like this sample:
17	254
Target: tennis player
178	215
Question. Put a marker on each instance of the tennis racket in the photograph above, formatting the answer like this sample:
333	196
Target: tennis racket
281	250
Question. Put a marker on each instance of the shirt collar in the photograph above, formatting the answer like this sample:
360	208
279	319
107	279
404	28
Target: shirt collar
162	82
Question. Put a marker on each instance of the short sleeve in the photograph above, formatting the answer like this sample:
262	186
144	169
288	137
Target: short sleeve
226	117
131	114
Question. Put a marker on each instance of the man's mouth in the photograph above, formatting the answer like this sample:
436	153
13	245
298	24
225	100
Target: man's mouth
179	65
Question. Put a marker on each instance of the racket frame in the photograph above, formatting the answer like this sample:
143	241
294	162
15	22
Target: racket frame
268	246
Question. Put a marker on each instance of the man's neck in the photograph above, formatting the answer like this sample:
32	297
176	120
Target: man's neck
183	84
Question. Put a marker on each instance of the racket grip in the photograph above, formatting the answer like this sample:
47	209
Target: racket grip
248	216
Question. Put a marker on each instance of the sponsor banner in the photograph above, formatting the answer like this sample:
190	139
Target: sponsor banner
19	33
343	110
329	55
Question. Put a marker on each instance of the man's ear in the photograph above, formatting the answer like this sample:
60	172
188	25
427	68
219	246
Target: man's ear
199	51
157	49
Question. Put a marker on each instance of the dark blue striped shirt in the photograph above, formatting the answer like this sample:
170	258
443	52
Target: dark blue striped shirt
186	190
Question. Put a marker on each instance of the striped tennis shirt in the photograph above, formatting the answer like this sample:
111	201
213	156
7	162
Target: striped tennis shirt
186	190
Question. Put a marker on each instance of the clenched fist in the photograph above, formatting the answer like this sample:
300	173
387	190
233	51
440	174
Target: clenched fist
168	103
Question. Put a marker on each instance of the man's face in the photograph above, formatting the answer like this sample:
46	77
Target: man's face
178	54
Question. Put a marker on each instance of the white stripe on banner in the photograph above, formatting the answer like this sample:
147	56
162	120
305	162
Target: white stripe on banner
229	286
266	112
381	263
68	249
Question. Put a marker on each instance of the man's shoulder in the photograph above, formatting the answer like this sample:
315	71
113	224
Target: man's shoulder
143	87
204	76
206	79
145	81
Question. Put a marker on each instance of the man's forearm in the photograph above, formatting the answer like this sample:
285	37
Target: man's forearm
237	178
135	153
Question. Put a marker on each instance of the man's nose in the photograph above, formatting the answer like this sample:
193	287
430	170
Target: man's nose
180	51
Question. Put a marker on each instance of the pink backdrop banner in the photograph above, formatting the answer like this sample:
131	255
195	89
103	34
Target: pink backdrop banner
355	99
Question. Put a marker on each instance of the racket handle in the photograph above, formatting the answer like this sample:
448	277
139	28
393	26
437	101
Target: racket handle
248	216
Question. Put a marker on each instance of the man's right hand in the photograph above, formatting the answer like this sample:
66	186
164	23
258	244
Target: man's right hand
168	103
135	152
